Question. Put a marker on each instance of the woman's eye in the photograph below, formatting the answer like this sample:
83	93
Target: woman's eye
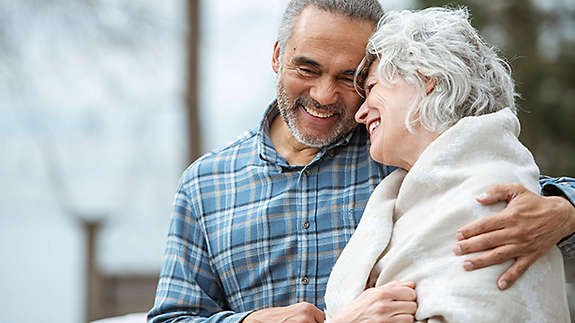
368	87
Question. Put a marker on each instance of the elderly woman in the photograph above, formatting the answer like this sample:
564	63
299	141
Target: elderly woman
440	105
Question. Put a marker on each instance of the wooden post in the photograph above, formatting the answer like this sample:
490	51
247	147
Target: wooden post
194	131
92	277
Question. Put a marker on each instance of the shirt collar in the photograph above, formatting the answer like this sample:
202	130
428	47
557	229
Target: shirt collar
266	150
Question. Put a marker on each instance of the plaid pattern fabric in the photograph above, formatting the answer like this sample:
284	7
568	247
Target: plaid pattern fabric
249	231
566	187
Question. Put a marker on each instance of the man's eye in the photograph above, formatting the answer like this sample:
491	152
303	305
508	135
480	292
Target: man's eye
305	71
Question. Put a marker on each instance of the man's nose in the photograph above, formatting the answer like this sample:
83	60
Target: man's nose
324	92
361	114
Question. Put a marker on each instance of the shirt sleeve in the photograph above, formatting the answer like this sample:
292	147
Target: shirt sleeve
563	186
188	289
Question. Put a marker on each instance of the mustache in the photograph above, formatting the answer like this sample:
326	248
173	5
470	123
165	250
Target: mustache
309	102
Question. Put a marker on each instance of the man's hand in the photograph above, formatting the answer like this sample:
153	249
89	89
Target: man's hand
527	228
297	313
392	302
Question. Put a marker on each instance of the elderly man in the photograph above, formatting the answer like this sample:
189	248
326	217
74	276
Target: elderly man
258	225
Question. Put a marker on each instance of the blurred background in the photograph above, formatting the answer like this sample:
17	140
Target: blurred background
103	104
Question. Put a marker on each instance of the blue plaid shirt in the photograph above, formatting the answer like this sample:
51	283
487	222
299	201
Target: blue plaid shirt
249	231
562	186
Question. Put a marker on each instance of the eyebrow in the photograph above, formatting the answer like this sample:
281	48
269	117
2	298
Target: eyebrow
348	72
369	77
368	80
302	60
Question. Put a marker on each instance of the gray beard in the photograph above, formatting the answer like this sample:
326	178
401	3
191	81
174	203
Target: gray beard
288	111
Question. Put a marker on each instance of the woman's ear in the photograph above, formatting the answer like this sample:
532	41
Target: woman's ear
276	58
429	85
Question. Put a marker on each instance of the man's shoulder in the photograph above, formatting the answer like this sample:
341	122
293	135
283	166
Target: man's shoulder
227	159
356	147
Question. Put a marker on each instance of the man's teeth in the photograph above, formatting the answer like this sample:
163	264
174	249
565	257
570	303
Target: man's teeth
318	114
373	126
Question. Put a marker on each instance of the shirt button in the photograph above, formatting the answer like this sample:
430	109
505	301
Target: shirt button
305	280
307	172
305	225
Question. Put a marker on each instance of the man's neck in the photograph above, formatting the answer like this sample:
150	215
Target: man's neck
288	146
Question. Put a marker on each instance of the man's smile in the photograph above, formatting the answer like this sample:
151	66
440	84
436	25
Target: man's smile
318	113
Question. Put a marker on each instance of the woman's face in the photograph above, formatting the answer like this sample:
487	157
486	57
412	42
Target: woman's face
383	113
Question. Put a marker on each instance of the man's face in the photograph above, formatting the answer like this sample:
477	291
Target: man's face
316	96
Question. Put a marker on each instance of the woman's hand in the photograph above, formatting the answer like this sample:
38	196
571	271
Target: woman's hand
392	302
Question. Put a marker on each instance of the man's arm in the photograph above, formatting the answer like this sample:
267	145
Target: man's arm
527	228
188	289
564	187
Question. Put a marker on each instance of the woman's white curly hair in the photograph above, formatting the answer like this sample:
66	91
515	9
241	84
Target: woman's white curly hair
440	45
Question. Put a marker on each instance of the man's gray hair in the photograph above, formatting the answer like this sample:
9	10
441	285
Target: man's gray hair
363	10
440	44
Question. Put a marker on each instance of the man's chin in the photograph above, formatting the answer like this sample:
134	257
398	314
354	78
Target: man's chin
311	140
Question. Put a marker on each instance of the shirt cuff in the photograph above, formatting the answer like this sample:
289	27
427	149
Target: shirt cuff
561	187
567	246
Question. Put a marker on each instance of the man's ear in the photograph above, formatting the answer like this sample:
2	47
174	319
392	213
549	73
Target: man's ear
276	58
429	85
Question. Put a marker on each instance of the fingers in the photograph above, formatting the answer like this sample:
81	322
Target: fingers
310	310
402	318
492	257
398	291
381	304
484	241
500	192
490	223
527	227
408	284
404	294
518	268
300	312
495	193
319	315
399	308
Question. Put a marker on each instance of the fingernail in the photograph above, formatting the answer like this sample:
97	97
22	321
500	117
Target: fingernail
457	250
459	236
467	265
502	284
482	196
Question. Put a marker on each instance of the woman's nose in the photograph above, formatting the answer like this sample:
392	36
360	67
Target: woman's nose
361	114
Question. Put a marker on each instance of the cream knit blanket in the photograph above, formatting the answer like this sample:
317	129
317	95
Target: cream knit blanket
408	230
